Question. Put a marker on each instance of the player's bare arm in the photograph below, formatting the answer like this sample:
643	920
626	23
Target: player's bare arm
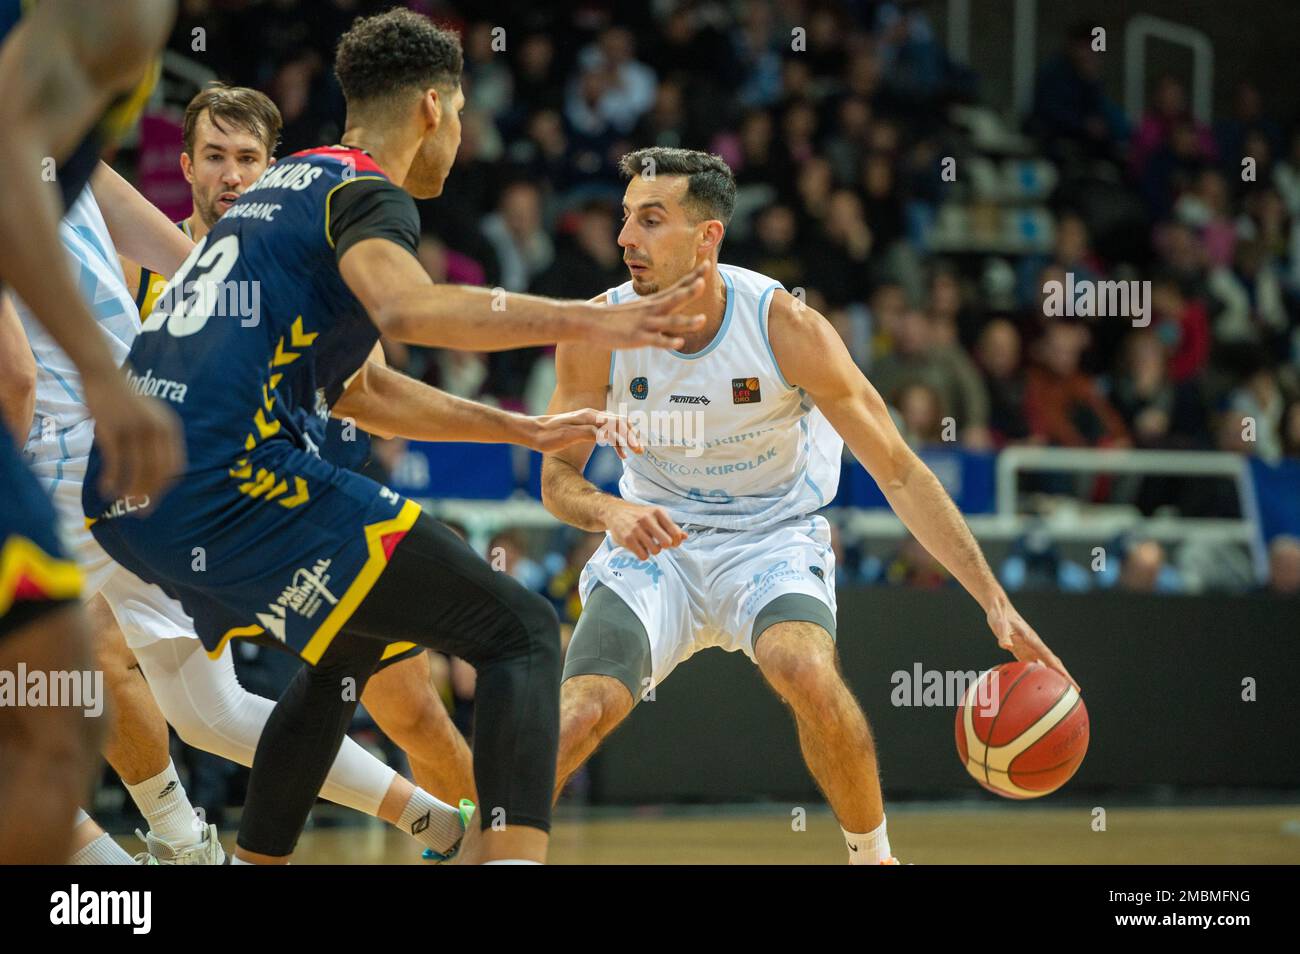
139	230
406	305
811	355
582	376
391	404
59	69
17	374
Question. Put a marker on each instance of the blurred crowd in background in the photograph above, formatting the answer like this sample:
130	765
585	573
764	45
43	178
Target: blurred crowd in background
837	121
836	118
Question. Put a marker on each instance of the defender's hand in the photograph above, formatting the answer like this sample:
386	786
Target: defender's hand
648	321
553	432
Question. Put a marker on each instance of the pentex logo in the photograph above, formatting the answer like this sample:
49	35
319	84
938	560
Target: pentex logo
304	595
639	388
745	391
688	399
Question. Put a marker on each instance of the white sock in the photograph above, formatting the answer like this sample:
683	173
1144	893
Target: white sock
102	851
236	860
431	822
869	849
165	806
511	861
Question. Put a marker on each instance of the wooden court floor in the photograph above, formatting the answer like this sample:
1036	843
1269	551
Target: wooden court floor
929	835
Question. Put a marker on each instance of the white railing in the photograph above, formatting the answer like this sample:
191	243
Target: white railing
1013	461
958	31
1143	27
1068	522
1024	42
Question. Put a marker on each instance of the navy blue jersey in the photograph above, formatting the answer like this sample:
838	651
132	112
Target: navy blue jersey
342	443
261	536
258	319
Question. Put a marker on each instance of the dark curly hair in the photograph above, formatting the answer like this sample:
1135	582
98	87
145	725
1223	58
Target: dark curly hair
711	188
394	52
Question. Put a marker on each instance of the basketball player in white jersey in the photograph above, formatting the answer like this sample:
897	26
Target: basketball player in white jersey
715	540
201	697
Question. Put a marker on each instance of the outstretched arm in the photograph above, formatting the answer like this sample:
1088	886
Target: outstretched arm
390	404
406	305
811	355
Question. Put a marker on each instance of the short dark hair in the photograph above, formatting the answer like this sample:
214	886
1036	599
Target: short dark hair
240	106
711	189
388	54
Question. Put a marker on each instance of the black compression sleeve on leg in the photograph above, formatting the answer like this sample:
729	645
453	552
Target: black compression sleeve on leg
300	742
438	593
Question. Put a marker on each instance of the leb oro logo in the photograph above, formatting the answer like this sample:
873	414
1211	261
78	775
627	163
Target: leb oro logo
745	391
639	387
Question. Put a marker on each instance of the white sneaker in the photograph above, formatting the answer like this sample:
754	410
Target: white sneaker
159	852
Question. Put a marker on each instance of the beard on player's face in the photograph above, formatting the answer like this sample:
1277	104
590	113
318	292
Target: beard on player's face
209	204
662	269
211	208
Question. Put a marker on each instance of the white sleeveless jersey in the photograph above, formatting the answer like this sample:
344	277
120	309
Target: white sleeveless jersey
729	443
62	430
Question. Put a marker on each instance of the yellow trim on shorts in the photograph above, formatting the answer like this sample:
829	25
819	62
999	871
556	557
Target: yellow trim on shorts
361	585
57	579
396	649
234	633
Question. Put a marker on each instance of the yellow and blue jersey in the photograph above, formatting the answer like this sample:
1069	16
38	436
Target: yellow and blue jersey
350	450
260	536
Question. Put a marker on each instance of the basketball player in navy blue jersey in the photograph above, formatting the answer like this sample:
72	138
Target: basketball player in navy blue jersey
296	551
71	77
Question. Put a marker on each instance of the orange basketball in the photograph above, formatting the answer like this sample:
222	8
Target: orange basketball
1022	730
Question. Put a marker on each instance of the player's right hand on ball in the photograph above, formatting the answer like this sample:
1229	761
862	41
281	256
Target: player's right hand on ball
649	321
644	530
140	438
1017	637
